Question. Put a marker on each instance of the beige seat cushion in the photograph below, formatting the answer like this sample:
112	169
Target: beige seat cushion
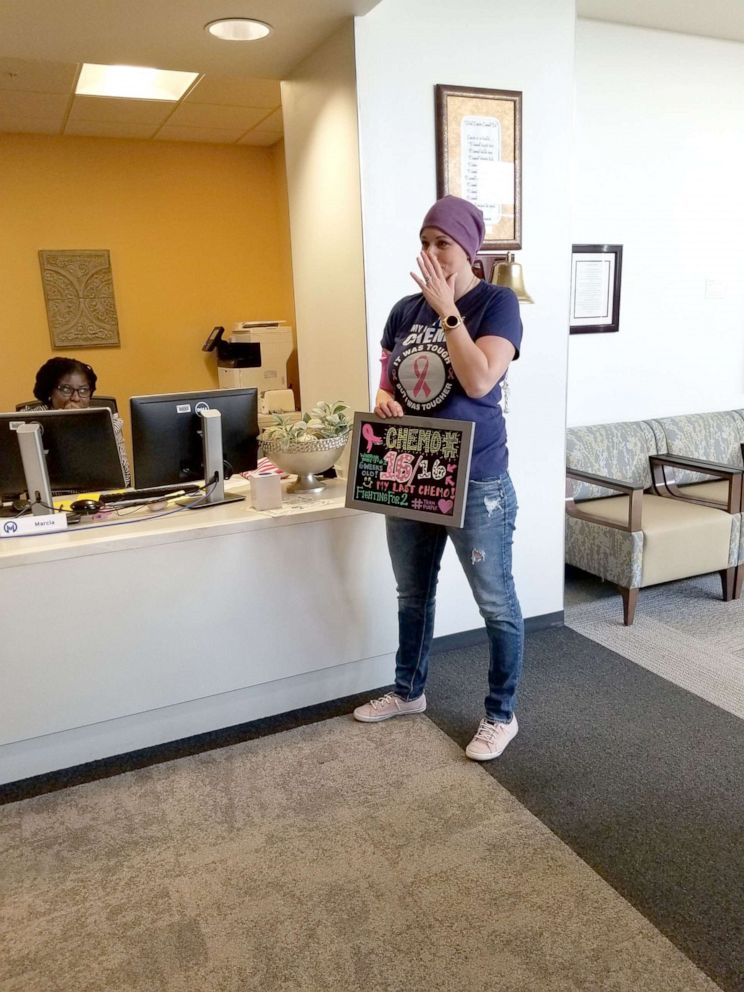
679	539
708	490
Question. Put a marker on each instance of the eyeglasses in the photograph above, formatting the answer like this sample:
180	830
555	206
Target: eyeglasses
67	390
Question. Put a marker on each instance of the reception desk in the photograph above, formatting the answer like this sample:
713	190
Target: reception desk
120	637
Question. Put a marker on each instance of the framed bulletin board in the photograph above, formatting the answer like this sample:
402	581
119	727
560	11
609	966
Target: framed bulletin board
414	467
479	157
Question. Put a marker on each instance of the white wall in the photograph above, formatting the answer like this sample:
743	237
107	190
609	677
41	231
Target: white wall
322	156
659	167
405	47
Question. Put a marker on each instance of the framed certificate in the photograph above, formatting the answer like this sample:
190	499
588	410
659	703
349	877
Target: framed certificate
596	272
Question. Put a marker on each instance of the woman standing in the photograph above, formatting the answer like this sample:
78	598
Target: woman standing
445	353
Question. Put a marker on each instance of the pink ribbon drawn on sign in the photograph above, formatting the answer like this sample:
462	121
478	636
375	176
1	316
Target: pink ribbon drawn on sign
420	369
368	433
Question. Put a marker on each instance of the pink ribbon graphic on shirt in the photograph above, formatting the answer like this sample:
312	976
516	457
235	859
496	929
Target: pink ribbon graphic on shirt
420	369
368	433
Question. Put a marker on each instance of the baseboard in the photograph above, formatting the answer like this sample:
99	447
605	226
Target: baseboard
543	622
166	743
471	638
53	761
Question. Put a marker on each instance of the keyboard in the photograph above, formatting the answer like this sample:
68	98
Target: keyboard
154	493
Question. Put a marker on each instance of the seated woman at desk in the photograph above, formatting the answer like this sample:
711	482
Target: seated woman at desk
67	384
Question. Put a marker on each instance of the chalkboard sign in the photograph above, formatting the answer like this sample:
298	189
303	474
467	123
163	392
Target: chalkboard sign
413	467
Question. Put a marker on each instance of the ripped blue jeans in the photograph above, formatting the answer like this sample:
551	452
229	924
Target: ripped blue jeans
484	547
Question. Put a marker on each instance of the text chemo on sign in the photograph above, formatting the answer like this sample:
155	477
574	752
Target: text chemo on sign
410	466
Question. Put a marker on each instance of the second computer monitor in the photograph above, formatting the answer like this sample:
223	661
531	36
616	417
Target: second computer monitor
166	434
79	445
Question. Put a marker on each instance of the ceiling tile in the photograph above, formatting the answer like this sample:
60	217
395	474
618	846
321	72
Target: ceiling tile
97	108
211	116
260	138
170	33
38	105
235	91
273	122
111	129
225	136
37	77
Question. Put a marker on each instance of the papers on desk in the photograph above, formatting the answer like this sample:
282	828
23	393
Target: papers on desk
300	503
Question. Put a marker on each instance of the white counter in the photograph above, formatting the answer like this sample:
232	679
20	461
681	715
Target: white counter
133	528
116	638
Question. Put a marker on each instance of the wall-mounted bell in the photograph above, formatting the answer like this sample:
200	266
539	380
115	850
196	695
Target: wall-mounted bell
509	274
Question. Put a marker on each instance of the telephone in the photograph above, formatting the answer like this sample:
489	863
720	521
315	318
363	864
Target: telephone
215	336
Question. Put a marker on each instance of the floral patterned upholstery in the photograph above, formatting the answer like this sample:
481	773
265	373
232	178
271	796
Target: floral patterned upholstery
614	555
617	451
716	437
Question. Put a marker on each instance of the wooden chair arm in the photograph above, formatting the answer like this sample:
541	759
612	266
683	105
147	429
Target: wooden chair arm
697	464
669	488
635	503
600	480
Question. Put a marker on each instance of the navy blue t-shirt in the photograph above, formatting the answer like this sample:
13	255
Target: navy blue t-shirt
421	373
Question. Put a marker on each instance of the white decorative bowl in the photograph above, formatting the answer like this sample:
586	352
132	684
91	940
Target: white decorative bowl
304	459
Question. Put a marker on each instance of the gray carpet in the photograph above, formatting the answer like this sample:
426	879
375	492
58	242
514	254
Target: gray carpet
643	780
683	631
335	856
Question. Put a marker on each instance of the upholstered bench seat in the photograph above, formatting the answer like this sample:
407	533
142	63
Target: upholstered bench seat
679	539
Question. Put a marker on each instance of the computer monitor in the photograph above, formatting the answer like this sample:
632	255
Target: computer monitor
80	448
167	434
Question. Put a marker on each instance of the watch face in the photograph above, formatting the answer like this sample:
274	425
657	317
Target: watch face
452	321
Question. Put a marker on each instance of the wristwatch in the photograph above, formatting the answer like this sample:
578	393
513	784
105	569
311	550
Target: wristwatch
450	322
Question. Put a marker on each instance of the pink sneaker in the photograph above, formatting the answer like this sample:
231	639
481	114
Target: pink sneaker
387	706
491	739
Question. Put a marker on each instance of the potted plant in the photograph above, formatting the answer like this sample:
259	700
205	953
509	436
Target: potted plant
309	445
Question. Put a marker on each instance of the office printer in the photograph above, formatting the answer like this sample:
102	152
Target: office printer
255	355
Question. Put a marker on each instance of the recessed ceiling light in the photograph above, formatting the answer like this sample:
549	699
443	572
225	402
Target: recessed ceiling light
238	29
133	82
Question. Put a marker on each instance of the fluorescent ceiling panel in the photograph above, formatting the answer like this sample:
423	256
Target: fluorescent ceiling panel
133	82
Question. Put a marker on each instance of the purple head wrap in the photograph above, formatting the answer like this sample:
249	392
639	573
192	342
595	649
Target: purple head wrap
460	220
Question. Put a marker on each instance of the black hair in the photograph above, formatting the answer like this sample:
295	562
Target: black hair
52	371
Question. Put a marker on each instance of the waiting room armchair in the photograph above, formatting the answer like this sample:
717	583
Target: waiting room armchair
621	528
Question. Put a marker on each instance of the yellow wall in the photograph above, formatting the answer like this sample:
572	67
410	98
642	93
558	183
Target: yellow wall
198	236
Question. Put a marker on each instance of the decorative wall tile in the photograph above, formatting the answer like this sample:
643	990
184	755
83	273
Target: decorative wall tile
79	294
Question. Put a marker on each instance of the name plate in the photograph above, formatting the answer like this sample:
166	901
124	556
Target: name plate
415	467
32	524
